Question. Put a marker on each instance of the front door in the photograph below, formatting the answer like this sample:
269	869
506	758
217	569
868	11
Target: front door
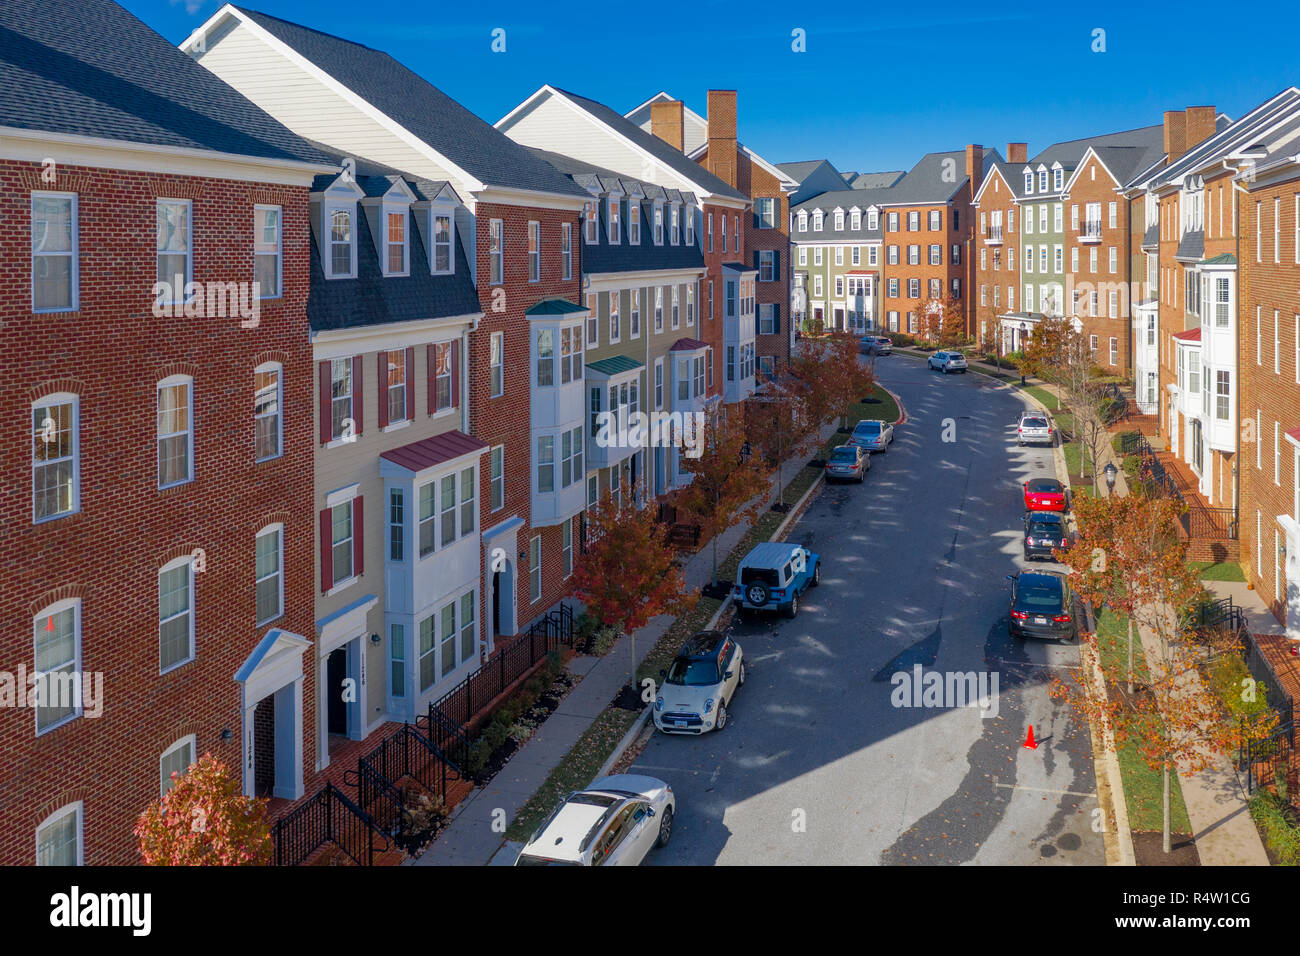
496	602
336	674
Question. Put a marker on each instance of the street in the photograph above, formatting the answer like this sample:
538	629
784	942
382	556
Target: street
817	765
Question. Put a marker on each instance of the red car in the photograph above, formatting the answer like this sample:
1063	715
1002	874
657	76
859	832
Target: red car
1046	494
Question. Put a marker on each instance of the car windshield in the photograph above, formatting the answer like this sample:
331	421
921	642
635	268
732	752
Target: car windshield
867	428
844	454
766	575
1046	487
692	673
1035	423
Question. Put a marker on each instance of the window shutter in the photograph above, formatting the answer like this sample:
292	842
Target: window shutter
755	258
755	217
383	389
431	360
326	404
359	536
776	265
326	551
776	318
410	384
455	372
358	390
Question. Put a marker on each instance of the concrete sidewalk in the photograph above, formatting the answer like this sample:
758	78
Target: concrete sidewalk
475	835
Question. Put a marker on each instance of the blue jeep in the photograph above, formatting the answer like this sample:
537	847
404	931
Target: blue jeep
773	577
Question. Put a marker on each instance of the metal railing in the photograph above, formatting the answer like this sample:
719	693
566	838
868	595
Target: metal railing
1262	761
1212	523
328	817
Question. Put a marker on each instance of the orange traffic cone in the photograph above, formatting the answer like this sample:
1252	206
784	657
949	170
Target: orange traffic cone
1029	741
49	625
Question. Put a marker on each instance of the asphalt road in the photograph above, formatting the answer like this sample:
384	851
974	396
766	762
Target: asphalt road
817	765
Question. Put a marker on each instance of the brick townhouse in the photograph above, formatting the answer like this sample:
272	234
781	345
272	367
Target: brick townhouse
997	239
516	220
158	495
767	228
836	254
1268	202
711	214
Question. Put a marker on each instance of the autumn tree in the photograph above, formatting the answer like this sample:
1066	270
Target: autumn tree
728	484
849	377
1129	557
772	428
812	386
1045	354
943	320
205	820
626	576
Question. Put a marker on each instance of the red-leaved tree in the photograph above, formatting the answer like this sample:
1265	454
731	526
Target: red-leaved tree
205	820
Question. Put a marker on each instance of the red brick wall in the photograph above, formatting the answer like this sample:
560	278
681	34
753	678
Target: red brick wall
946	237
505	420
1093	184
1267	285
711	329
997	196
757	182
112	352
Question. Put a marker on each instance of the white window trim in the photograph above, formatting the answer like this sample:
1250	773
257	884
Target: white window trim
58	607
327	220
279	247
534	230
403	210
189	252
60	398
274	528
168	382
491	453
189	739
75	268
79	808
264	368
449	211
184	560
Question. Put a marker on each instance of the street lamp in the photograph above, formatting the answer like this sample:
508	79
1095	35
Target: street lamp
1024	330
1111	472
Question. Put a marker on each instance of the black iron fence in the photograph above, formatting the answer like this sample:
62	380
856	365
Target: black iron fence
328	817
1263	761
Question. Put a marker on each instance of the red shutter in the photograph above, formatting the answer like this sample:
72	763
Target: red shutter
358	536
455	374
326	405
431	352
358	411
326	551
383	389
410	384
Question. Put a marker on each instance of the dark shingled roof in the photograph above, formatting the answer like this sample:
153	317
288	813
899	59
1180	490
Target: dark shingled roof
685	344
799	171
89	68
429	452
471	143
844	199
925	182
555	307
672	158
1191	247
876	180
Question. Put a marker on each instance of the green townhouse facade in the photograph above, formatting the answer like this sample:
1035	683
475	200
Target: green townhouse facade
639	348
835	250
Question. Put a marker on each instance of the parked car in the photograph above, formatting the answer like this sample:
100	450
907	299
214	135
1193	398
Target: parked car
1045	531
872	434
1046	494
616	821
1033	427
947	362
875	345
848	463
773	576
698	686
1041	606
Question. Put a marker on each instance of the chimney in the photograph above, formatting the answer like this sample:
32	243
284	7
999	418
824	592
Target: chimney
1175	135
666	123
1017	152
975	166
722	135
1200	125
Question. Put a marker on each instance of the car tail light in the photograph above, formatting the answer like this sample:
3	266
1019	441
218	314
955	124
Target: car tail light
779	594
1061	618
1019	615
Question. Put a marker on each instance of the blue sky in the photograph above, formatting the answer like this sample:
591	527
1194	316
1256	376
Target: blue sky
873	91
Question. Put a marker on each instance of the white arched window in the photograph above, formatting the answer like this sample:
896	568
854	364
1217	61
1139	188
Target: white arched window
270	573
56	456
60	837
57	652
175	759
268	417
175	430
175	613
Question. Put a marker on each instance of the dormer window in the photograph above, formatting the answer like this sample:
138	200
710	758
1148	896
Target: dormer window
803	221
839	220
689	215
659	224
1058	178
855	220
817	221
1042	180
589	223
614	219
634	221
442	231
341	260
395	233
873	219
674	226
1029	183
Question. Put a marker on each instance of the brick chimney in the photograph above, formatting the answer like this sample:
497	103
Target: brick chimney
1175	135
975	166
666	122
722	160
1017	152
1200	125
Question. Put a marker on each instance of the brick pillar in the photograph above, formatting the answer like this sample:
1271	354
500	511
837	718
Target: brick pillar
1175	135
1017	152
666	122
1200	125
722	135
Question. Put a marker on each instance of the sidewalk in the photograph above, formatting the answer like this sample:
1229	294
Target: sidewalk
471	839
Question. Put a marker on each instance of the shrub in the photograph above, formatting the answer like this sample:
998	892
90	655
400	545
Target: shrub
1267	809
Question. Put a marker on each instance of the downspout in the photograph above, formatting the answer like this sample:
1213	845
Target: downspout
1236	459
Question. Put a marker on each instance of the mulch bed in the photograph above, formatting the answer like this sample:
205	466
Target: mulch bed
1148	849
627	698
542	708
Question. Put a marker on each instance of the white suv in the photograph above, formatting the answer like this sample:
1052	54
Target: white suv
948	362
614	822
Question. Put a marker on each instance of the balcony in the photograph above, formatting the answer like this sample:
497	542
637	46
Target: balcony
1090	231
993	235
614	390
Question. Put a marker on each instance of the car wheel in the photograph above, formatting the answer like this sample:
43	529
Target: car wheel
665	828
862	475
722	715
817	574
793	609
740	678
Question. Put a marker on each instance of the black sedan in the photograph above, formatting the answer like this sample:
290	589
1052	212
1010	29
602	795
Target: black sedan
1042	605
1045	531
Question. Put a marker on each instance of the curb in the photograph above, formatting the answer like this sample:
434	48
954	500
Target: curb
1110	792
